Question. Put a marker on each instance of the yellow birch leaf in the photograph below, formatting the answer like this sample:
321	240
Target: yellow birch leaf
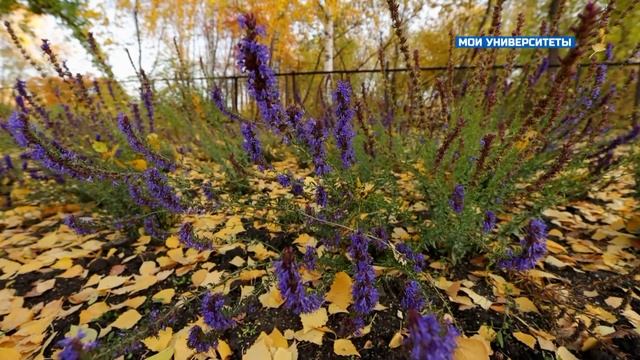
45	286
99	147
110	282
165	354
564	354
526	339
160	342
63	264
9	354
339	294
396	340
278	340
15	318
138	164
487	333
224	350
314	320
164	296
257	351
525	305
172	242
313	336
345	347
272	298
601	313
127	320
472	348
74	271
93	312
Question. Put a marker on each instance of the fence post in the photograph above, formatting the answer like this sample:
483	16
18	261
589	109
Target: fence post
296	98
636	102
235	93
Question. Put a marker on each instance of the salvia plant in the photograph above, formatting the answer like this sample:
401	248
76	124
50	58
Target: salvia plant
446	159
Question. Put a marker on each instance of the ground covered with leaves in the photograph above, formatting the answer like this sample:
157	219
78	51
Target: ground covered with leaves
140	299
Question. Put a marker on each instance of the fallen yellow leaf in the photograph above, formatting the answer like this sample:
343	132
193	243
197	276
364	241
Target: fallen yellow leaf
526	339
127	320
473	348
164	296
345	347
339	294
160	342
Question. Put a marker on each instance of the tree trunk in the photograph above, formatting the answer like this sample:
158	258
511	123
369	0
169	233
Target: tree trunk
328	49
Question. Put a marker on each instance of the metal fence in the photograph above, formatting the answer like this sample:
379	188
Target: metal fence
303	84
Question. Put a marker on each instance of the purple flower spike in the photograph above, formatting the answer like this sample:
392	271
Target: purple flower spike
214	317
80	226
18	128
344	132
428	339
364	292
199	341
189	239
162	193
74	348
284	180
315	135
413	299
253	59
321	196
489	221
251	144
136	144
310	258
534	247
418	260
457	199
291	287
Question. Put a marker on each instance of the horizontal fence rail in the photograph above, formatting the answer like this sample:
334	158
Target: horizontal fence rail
237	95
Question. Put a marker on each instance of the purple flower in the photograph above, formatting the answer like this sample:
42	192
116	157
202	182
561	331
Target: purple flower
199	341
297	187
189	239
418	260
17	126
310	258
207	190
315	136
212	311
364	292
428	339
489	221
136	144
152	228
542	67
343	132
291	287
533	245
457	199
284	180
138	197
413	299
162	193
321	196
382	241
253	59
80	226
608	53
8	162
251	144
74	348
